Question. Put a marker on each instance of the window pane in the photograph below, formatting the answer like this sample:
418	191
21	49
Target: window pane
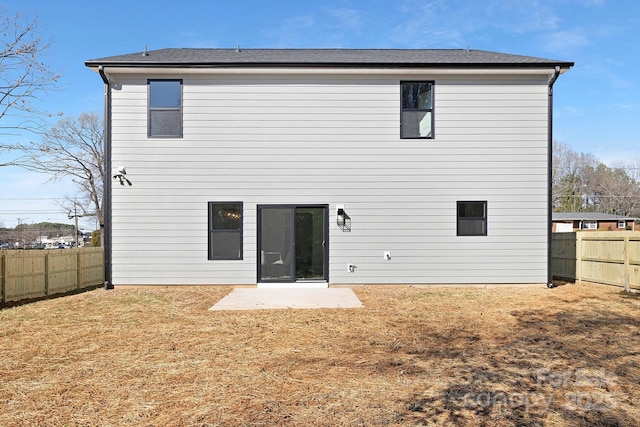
416	124
417	95
226	216
277	243
164	94
224	244
471	227
471	209
165	123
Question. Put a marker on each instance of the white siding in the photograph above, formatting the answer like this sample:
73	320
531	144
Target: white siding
335	140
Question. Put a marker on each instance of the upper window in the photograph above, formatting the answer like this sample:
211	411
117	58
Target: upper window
589	225
165	108
622	224
416	118
472	218
225	230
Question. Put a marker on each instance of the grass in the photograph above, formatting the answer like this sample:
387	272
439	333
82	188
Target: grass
499	356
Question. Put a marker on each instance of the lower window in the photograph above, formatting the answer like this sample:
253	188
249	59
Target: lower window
225	230
472	218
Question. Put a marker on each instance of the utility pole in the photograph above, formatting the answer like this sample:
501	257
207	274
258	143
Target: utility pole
75	215
20	225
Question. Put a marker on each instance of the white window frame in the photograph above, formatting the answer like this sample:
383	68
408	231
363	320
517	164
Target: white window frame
589	225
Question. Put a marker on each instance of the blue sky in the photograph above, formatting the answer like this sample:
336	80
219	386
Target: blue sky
596	103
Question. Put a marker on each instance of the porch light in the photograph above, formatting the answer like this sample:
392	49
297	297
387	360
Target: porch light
343	220
340	217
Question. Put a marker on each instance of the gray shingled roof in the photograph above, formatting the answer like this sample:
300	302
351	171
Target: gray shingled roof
587	216
324	57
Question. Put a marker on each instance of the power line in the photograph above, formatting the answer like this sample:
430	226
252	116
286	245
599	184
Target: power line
31	212
30	198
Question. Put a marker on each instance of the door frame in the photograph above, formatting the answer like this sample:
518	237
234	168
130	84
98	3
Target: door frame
294	282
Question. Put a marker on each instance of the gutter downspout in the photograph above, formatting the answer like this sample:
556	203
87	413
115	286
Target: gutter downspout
106	197
553	79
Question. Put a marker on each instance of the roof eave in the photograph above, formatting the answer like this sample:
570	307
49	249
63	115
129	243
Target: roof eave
476	65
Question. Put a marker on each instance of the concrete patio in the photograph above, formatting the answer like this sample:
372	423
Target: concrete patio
256	299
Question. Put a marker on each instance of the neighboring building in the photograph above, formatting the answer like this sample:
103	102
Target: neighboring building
594	221
304	167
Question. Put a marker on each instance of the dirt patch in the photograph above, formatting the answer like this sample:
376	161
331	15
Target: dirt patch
524	356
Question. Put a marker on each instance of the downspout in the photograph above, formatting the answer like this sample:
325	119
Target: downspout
106	197
553	79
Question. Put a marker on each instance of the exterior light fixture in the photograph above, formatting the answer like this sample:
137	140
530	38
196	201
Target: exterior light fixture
340	217
121	176
343	220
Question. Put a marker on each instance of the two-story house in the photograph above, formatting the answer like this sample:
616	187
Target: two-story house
309	167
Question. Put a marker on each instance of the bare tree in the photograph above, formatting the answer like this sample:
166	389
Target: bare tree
581	183
71	149
23	75
572	176
618	190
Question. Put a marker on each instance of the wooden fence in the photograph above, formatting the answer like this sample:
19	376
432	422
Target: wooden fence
609	257
28	274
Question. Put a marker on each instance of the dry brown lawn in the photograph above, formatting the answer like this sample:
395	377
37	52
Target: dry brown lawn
495	356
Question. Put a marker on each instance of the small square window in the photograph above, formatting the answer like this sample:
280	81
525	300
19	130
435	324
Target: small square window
225	230
472	219
622	224
416	117
165	108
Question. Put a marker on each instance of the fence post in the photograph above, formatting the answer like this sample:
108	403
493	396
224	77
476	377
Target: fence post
78	269
3	279
626	263
46	273
579	257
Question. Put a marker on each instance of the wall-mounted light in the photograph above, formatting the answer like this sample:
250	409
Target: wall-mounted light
340	217
343	220
121	176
